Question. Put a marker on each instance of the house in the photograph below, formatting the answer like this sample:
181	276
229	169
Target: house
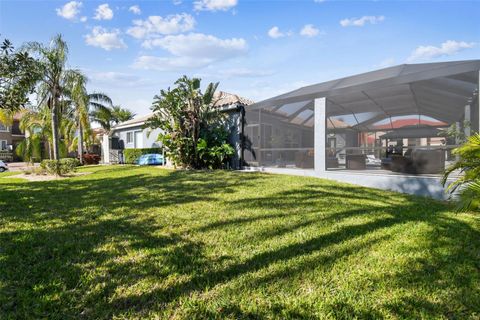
132	134
10	137
376	129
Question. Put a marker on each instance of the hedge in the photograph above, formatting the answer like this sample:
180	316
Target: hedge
60	167
132	155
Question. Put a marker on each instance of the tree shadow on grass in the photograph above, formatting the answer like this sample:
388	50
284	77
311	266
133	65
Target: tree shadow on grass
71	254
139	191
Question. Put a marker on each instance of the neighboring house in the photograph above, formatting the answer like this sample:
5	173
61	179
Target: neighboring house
131	134
10	137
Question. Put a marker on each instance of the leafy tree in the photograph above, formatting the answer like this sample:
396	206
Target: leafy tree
19	72
193	132
468	183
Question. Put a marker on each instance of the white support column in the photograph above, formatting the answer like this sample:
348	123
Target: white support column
106	149
468	121
320	134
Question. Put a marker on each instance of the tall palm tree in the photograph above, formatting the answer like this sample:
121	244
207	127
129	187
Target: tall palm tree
81	103
52	60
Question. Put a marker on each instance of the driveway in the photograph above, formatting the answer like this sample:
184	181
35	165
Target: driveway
20	166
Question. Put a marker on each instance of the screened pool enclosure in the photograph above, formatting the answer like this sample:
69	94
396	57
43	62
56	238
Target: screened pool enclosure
399	120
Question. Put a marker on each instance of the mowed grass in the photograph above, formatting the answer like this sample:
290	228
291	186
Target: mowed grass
131	242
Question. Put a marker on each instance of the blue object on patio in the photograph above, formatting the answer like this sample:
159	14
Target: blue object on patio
150	159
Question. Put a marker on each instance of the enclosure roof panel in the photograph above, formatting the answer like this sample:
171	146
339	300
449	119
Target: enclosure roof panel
456	75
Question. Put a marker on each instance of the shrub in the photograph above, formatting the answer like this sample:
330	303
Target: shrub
69	164
132	155
91	158
60	167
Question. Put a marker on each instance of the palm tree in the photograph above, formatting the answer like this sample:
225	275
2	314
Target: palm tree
120	114
81	101
112	116
52	60
36	125
468	183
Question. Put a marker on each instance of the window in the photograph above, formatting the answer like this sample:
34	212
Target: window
129	137
3	127
3	144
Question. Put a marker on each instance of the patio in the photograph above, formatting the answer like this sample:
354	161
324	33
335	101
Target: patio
396	125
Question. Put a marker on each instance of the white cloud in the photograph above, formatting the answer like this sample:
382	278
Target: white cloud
103	12
102	38
275	33
448	48
70	10
193	50
235	73
118	79
385	63
214	5
157	25
177	2
83	19
135	9
309	31
360	22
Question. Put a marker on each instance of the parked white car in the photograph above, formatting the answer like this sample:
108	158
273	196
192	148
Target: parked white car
3	166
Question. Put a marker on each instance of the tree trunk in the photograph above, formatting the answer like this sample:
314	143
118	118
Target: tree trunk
53	110
80	142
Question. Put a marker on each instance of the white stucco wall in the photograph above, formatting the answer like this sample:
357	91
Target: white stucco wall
148	140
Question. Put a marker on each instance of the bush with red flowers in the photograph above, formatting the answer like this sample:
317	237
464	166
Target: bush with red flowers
91	158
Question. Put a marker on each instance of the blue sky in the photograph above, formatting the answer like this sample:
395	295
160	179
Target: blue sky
258	49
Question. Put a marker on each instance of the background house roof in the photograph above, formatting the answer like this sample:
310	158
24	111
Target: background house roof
222	99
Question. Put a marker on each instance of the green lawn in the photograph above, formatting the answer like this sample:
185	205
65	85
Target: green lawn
130	242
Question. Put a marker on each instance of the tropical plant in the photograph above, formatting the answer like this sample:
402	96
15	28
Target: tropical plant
457	133
19	73
80	104
467	184
193	132
52	82
107	118
120	114
6	117
35	123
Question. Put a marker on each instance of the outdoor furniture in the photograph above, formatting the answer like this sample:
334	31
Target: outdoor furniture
304	160
429	161
386	163
420	162
332	162
356	161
